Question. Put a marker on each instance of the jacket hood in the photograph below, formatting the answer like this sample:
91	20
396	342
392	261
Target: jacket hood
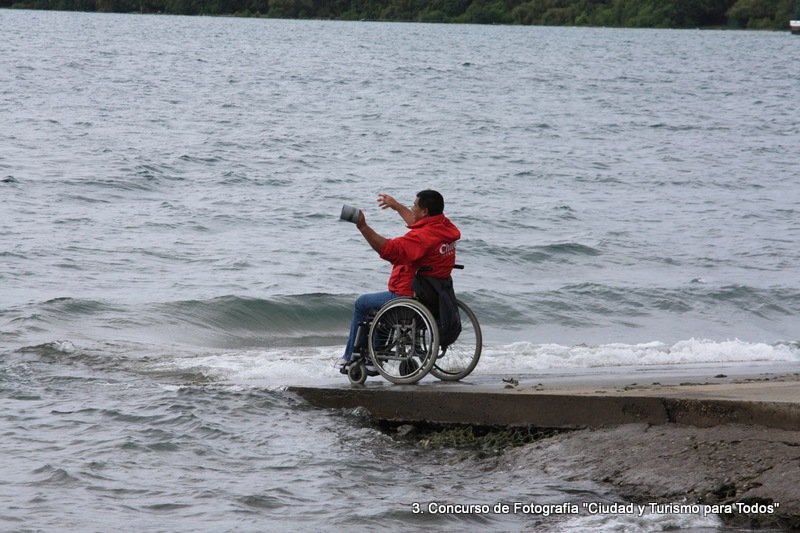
439	224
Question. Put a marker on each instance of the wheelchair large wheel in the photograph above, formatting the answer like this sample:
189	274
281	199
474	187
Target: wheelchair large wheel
403	341
459	359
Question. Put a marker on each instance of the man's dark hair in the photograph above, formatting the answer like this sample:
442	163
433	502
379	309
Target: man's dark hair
432	201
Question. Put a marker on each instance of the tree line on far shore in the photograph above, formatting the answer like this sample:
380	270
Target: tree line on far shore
754	14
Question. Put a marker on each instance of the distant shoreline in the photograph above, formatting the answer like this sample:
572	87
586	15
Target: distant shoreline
728	14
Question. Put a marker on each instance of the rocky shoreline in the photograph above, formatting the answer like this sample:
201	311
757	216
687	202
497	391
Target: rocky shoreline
690	436
750	473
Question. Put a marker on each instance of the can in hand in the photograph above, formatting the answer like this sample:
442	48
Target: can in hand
350	213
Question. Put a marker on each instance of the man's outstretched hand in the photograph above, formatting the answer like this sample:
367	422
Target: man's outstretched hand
384	201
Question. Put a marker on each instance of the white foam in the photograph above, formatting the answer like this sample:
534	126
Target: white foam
62	346
297	365
634	523
268	368
524	356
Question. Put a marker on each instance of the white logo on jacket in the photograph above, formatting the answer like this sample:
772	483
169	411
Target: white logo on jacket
447	248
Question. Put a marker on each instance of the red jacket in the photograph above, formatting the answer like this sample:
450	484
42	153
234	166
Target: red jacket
431	242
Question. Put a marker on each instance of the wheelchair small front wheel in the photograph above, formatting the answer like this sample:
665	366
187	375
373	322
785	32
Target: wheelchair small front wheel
403	341
357	373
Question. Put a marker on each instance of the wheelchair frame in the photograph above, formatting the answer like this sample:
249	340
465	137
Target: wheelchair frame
401	339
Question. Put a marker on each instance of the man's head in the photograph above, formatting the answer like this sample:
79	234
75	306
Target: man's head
428	203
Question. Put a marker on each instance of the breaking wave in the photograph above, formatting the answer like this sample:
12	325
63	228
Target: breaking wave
319	319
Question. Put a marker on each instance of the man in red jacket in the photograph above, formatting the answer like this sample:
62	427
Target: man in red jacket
430	242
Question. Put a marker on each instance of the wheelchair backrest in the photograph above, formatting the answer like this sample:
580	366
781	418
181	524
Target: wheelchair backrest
438	296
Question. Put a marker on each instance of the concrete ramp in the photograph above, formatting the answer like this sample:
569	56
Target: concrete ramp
699	396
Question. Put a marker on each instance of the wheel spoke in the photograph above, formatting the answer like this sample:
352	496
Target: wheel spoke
399	329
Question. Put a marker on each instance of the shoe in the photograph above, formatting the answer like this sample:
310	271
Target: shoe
341	365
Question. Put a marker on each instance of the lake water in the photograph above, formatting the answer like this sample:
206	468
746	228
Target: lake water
172	258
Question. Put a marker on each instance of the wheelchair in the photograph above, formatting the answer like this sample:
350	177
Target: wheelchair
401	340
